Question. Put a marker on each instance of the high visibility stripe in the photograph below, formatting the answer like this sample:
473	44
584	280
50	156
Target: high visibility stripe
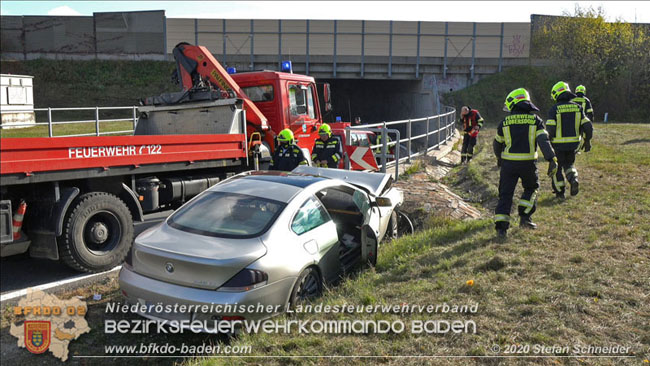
525	203
529	204
558	130
531	138
502	218
499	139
566	139
518	157
590	110
508	139
578	121
541	132
551	122
585	120
572	171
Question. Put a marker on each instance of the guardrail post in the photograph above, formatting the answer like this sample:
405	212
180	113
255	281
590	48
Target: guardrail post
408	142
49	120
426	146
97	121
396	155
135	120
438	132
384	148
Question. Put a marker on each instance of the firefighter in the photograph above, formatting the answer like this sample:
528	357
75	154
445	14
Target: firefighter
566	126
515	147
327	151
472	123
582	100
287	155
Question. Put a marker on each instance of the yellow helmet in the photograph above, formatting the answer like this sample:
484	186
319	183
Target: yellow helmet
559	88
516	96
285	135
325	128
581	89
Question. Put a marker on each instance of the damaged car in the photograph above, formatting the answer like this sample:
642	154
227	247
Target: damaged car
270	238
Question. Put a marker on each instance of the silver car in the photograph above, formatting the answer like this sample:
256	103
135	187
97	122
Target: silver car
269	238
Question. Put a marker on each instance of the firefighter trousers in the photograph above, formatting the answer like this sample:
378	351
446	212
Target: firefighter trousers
467	151
511	172
565	161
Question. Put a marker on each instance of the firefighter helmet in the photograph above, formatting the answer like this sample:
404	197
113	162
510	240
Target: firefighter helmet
285	136
581	89
559	88
325	129
516	96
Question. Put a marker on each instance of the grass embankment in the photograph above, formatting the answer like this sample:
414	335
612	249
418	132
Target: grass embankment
66	83
581	278
88	84
488	94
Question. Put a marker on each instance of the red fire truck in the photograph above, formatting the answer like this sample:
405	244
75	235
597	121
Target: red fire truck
74	199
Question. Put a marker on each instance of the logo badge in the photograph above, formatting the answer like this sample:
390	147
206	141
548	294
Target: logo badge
37	335
169	267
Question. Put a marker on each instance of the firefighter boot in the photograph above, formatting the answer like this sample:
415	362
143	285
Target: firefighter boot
527	223
575	188
502	230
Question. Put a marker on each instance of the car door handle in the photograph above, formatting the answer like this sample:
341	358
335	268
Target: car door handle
311	247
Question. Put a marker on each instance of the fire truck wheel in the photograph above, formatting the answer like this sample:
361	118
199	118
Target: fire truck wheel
97	233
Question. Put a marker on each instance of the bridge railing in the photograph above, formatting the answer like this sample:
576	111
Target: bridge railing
421	135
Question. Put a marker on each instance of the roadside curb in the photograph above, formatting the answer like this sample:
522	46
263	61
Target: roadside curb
12	298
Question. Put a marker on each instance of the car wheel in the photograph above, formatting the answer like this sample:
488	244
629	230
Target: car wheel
308	287
392	232
97	233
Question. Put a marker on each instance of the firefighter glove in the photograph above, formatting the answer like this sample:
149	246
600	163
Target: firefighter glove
552	167
498	162
587	146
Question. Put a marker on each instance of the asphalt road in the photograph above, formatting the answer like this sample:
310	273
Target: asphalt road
20	271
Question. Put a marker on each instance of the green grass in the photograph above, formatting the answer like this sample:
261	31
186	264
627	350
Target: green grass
66	83
67	129
582	277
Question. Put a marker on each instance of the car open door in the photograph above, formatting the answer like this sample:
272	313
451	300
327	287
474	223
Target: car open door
369	246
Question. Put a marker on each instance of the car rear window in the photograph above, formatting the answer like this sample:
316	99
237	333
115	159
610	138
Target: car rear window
224	214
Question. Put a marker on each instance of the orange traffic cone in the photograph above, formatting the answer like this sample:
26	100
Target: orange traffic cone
18	219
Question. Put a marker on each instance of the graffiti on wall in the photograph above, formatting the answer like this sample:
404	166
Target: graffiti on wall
516	47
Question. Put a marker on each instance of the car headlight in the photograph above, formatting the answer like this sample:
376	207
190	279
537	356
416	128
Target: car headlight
246	280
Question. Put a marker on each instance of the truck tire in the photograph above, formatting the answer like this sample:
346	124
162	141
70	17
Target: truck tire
97	233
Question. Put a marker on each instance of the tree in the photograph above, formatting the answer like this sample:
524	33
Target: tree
610	58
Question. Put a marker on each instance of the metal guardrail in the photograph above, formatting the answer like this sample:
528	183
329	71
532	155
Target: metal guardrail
97	121
432	138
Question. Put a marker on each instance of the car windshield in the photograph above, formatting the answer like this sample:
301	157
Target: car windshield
227	215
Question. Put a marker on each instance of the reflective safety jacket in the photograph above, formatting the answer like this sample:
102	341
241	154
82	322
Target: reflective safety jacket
585	103
287	157
471	119
518	136
566	124
329	151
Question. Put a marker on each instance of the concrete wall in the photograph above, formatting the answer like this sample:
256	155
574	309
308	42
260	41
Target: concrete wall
119	35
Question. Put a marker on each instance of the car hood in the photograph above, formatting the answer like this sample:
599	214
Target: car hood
375	182
183	258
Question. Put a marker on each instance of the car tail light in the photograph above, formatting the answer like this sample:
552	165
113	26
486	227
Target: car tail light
245	280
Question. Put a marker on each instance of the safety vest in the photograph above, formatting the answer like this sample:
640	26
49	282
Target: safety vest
519	134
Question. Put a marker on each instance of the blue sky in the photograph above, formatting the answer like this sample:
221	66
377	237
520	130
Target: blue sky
476	11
